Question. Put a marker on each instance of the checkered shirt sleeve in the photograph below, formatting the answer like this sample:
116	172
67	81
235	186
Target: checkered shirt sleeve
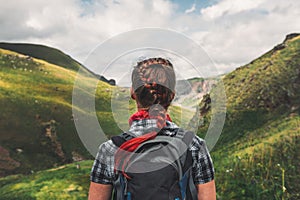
202	170
103	167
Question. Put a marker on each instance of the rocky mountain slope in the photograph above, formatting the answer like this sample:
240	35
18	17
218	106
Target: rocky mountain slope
259	146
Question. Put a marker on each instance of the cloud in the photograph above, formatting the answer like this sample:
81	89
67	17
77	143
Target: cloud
77	27
190	10
242	35
229	7
33	19
231	32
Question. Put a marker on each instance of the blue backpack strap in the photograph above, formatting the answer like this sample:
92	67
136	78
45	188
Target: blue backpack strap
183	183
120	188
188	188
192	187
118	185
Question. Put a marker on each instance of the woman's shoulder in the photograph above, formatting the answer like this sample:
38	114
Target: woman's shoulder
197	143
108	147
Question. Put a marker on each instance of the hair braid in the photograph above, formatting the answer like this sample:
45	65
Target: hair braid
154	82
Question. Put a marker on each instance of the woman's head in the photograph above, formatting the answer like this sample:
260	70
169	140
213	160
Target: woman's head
153	82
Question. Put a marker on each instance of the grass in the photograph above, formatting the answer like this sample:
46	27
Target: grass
257	162
32	93
64	182
180	115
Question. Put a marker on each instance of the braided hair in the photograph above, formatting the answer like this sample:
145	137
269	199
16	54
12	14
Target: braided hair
153	81
153	84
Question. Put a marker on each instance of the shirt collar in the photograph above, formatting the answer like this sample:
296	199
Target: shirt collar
143	126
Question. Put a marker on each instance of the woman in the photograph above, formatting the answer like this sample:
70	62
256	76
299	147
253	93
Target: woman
153	89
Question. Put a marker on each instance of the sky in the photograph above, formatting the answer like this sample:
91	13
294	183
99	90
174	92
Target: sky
231	32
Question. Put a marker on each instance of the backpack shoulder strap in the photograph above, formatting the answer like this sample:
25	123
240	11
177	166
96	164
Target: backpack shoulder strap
120	139
188	188
120	183
186	136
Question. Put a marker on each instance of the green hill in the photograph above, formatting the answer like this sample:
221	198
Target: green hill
258	153
49	54
37	128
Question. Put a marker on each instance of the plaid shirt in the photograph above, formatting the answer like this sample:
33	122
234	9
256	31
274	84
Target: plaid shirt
103	167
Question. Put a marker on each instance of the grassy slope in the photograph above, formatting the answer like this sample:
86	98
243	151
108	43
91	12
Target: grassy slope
258	150
48	54
252	167
64	182
32	93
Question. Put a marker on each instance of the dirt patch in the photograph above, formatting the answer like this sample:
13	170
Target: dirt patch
6	162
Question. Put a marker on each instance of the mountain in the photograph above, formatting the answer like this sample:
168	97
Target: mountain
189	92
259	147
50	55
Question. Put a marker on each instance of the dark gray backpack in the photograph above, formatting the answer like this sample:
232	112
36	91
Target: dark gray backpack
159	169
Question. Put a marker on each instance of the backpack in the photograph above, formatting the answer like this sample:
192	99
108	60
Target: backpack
159	169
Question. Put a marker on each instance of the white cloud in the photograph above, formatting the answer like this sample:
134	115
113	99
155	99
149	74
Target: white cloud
74	26
228	7
163	7
239	37
190	10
